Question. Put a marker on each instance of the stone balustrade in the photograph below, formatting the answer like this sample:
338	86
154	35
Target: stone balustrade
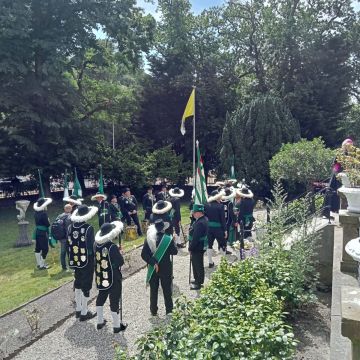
350	318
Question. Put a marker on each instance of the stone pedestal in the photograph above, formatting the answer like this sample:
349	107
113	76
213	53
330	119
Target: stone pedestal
350	223
350	318
23	239
325	254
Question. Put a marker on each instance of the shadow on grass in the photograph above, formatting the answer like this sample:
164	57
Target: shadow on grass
61	275
40	274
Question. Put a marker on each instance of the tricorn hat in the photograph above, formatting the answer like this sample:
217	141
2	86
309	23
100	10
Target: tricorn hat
42	203
83	213
160	225
161	207
73	199
108	232
245	192
176	193
98	195
216	195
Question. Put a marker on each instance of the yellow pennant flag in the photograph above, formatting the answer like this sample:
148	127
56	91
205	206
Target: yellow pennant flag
189	111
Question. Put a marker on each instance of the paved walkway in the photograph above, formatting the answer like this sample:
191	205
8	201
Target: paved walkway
75	340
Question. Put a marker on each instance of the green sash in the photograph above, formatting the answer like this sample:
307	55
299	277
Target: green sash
232	235
248	218
39	227
214	224
159	253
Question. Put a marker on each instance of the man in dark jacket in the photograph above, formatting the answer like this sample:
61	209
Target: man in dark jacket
162	194
246	209
163	210
215	213
175	195
114	209
108	262
228	203
81	257
41	232
65	217
198	243
128	206
103	208
148	202
158	247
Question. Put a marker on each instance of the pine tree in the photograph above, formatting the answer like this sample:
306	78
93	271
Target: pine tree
253	134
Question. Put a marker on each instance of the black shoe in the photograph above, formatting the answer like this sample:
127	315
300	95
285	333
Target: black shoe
77	314
100	326
88	316
195	287
211	265
122	327
227	252
181	246
153	313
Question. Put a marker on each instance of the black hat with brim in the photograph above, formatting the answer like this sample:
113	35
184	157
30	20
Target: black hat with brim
42	203
160	225
161	207
108	232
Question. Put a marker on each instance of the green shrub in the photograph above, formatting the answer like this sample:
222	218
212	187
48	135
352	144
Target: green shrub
302	163
238	316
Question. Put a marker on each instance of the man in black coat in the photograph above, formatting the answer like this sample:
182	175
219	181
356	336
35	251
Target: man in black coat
227	201
162	194
81	257
175	195
215	213
114	209
198	242
128	207
103	208
148	202
41	232
163	210
246	210
158	247
108	262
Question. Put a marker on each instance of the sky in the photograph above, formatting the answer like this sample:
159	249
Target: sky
199	5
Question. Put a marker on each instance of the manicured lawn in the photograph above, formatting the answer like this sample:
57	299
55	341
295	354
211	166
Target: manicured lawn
20	281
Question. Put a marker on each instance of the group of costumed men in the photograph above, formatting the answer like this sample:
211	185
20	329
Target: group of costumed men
97	254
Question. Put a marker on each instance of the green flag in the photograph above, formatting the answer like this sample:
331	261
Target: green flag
77	191
200	182
101	182
42	194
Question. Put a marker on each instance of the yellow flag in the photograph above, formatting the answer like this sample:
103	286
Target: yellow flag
189	111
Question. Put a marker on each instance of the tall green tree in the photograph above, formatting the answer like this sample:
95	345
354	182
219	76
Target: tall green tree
301	50
43	112
253	134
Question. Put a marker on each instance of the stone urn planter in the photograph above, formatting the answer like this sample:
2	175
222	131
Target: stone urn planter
352	248
344	179
353	198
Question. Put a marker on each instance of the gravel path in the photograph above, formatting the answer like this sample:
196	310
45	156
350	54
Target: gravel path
75	340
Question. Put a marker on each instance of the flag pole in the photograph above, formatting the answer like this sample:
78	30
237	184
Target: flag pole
194	138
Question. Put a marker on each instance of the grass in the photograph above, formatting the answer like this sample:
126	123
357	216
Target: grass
20	281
